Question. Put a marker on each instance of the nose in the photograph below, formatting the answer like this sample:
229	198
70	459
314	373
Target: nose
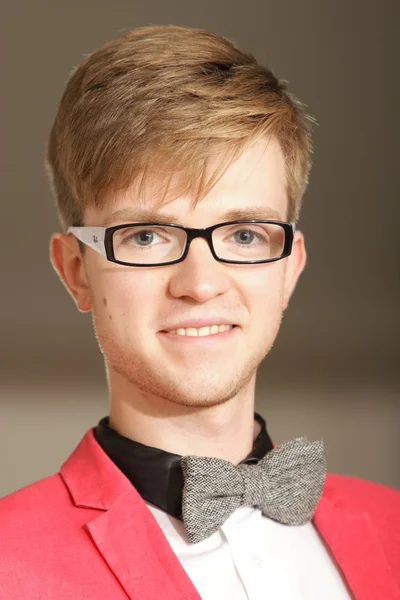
199	276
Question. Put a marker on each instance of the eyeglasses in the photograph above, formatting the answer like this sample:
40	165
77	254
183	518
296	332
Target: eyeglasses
156	244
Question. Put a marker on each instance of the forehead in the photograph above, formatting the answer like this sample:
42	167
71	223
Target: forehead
254	186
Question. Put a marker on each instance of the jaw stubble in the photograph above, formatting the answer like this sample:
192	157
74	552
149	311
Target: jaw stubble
200	385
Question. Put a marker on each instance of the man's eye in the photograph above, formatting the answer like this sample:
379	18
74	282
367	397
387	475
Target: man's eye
143	238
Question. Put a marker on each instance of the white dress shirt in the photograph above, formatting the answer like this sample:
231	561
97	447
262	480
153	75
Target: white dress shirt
252	557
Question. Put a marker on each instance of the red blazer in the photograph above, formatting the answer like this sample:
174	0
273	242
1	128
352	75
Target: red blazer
86	534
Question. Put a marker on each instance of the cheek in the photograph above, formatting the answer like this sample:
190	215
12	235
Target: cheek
264	289
121	302
266	308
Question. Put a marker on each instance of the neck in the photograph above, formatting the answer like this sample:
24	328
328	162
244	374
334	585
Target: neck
225	430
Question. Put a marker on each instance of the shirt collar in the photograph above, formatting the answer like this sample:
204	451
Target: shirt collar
157	474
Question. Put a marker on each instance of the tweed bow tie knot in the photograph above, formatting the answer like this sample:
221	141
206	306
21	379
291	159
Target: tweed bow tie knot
286	485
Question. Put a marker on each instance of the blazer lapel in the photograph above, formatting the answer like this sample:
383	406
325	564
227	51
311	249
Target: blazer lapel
125	532
355	545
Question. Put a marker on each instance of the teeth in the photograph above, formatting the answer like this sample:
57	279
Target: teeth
202	331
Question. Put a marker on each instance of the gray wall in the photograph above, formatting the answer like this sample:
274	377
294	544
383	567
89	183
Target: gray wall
333	372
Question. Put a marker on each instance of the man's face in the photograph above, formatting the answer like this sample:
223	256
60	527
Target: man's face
132	306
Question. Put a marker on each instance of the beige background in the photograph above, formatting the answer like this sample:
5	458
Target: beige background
334	370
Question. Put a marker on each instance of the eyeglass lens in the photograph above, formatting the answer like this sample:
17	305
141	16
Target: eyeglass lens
161	243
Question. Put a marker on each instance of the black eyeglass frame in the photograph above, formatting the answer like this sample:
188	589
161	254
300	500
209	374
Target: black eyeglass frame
105	237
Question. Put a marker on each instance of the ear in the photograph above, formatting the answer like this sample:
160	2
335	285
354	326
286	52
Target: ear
295	265
67	260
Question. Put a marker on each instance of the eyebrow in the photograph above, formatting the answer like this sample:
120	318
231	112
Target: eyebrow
129	215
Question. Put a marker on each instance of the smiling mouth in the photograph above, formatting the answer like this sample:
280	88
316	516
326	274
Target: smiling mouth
201	331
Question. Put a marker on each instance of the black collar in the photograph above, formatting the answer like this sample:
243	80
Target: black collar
157	474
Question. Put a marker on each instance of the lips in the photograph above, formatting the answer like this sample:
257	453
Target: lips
205	337
202	331
198	323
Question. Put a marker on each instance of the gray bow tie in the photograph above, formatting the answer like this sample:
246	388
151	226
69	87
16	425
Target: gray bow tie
286	485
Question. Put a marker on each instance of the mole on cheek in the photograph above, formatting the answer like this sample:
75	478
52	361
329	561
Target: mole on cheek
105	301
110	317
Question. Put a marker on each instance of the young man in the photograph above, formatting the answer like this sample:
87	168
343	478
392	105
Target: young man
179	166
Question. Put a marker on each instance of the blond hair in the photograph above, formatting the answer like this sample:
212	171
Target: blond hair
158	103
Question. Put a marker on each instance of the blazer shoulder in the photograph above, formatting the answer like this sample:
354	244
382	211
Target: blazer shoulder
364	495
38	494
40	513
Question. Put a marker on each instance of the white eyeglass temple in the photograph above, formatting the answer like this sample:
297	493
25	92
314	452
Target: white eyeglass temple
91	236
